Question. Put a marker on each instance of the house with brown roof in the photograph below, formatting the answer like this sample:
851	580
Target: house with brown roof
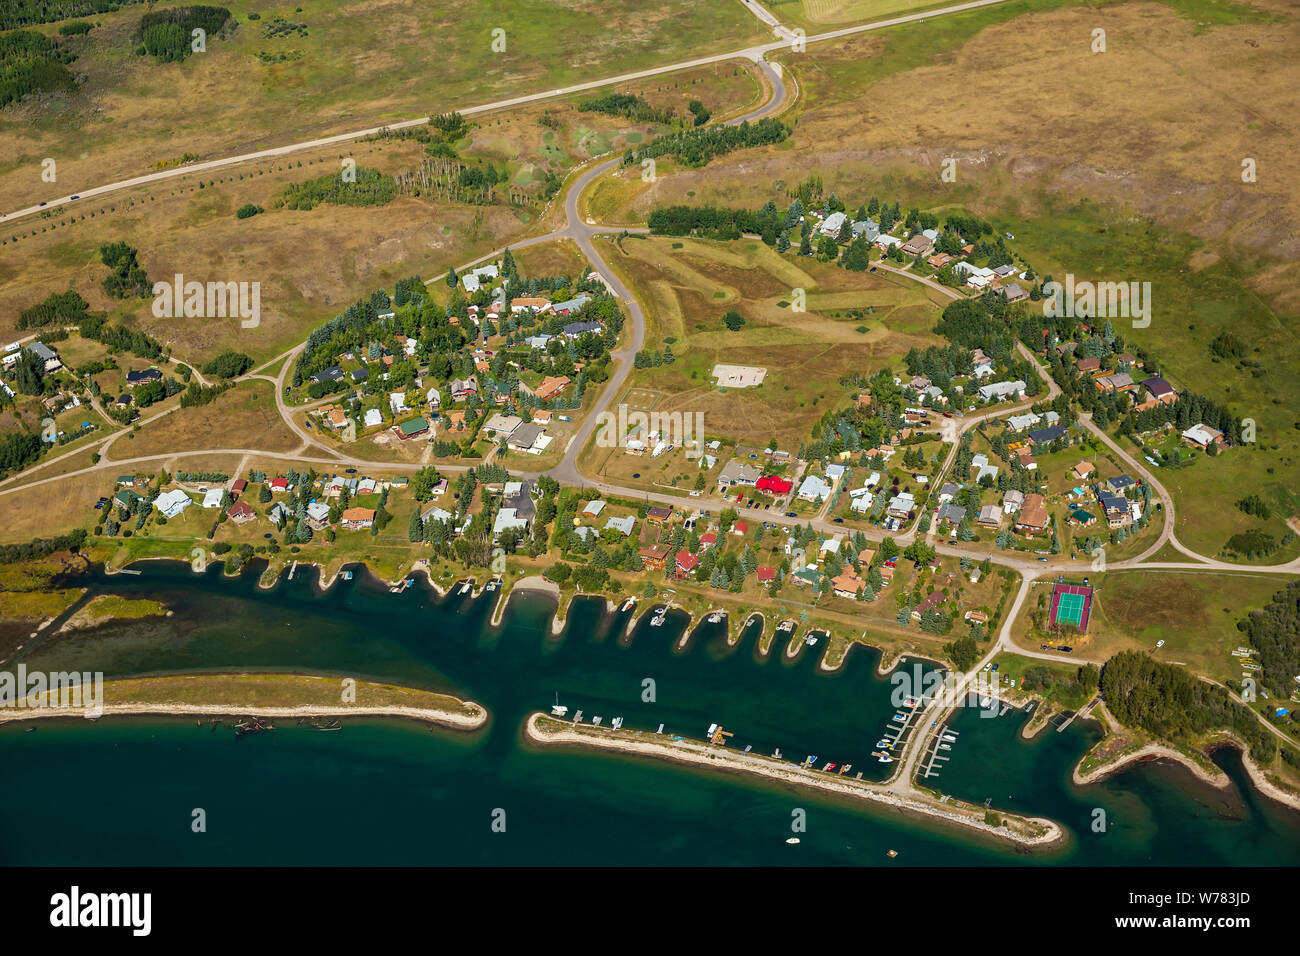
659	514
918	245
357	519
1033	516
1088	365
655	558
847	584
931	601
551	386
240	513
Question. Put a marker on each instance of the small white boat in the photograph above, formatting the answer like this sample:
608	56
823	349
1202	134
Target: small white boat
466	587
810	640
559	710
616	723
882	742
792	840
786	627
658	620
885	758
899	717
595	721
715	617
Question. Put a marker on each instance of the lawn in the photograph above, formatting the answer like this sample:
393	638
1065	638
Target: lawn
687	286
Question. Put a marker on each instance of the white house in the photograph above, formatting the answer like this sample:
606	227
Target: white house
171	503
374	417
814	488
212	498
472	279
1001	390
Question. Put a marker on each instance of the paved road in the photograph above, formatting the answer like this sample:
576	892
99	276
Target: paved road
755	53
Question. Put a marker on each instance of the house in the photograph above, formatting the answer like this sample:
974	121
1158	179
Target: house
737	473
171	503
1119	382
1088	365
412	428
462	389
143	375
1026	460
574	329
126	498
1203	436
1083	469
499	426
543	416
766	574
212	498
901	505
885	242
318	515
1014	292
434	513
686	562
551	386
593	508
238	487
374	417
1120	483
1033	515
356	519
48	356
1002	390
928	603
708	540
474	278
279	484
862	500
740	528
509	518
990	516
918	245
537	341
525	438
978	617
123	401
950	514
814	488
240	513
334	416
866	228
1160	390
832	224
570	305
940	260
125	481
948	492
1082	518
359	375
659	514
773	485
655	558
331	374
397	402
847	584
1045	436
1012	501
529	303
986	470
1018	423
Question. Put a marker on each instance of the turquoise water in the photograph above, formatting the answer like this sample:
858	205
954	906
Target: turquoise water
121	791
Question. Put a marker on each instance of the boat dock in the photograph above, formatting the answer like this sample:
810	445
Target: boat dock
942	740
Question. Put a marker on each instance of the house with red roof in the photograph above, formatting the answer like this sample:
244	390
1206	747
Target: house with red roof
766	574
774	485
740	528
708	540
686	562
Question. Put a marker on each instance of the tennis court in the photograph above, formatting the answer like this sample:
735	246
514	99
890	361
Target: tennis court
1072	605
1069	608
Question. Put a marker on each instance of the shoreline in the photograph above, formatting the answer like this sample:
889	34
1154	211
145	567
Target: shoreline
1146	753
1040	833
430	715
1219	780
